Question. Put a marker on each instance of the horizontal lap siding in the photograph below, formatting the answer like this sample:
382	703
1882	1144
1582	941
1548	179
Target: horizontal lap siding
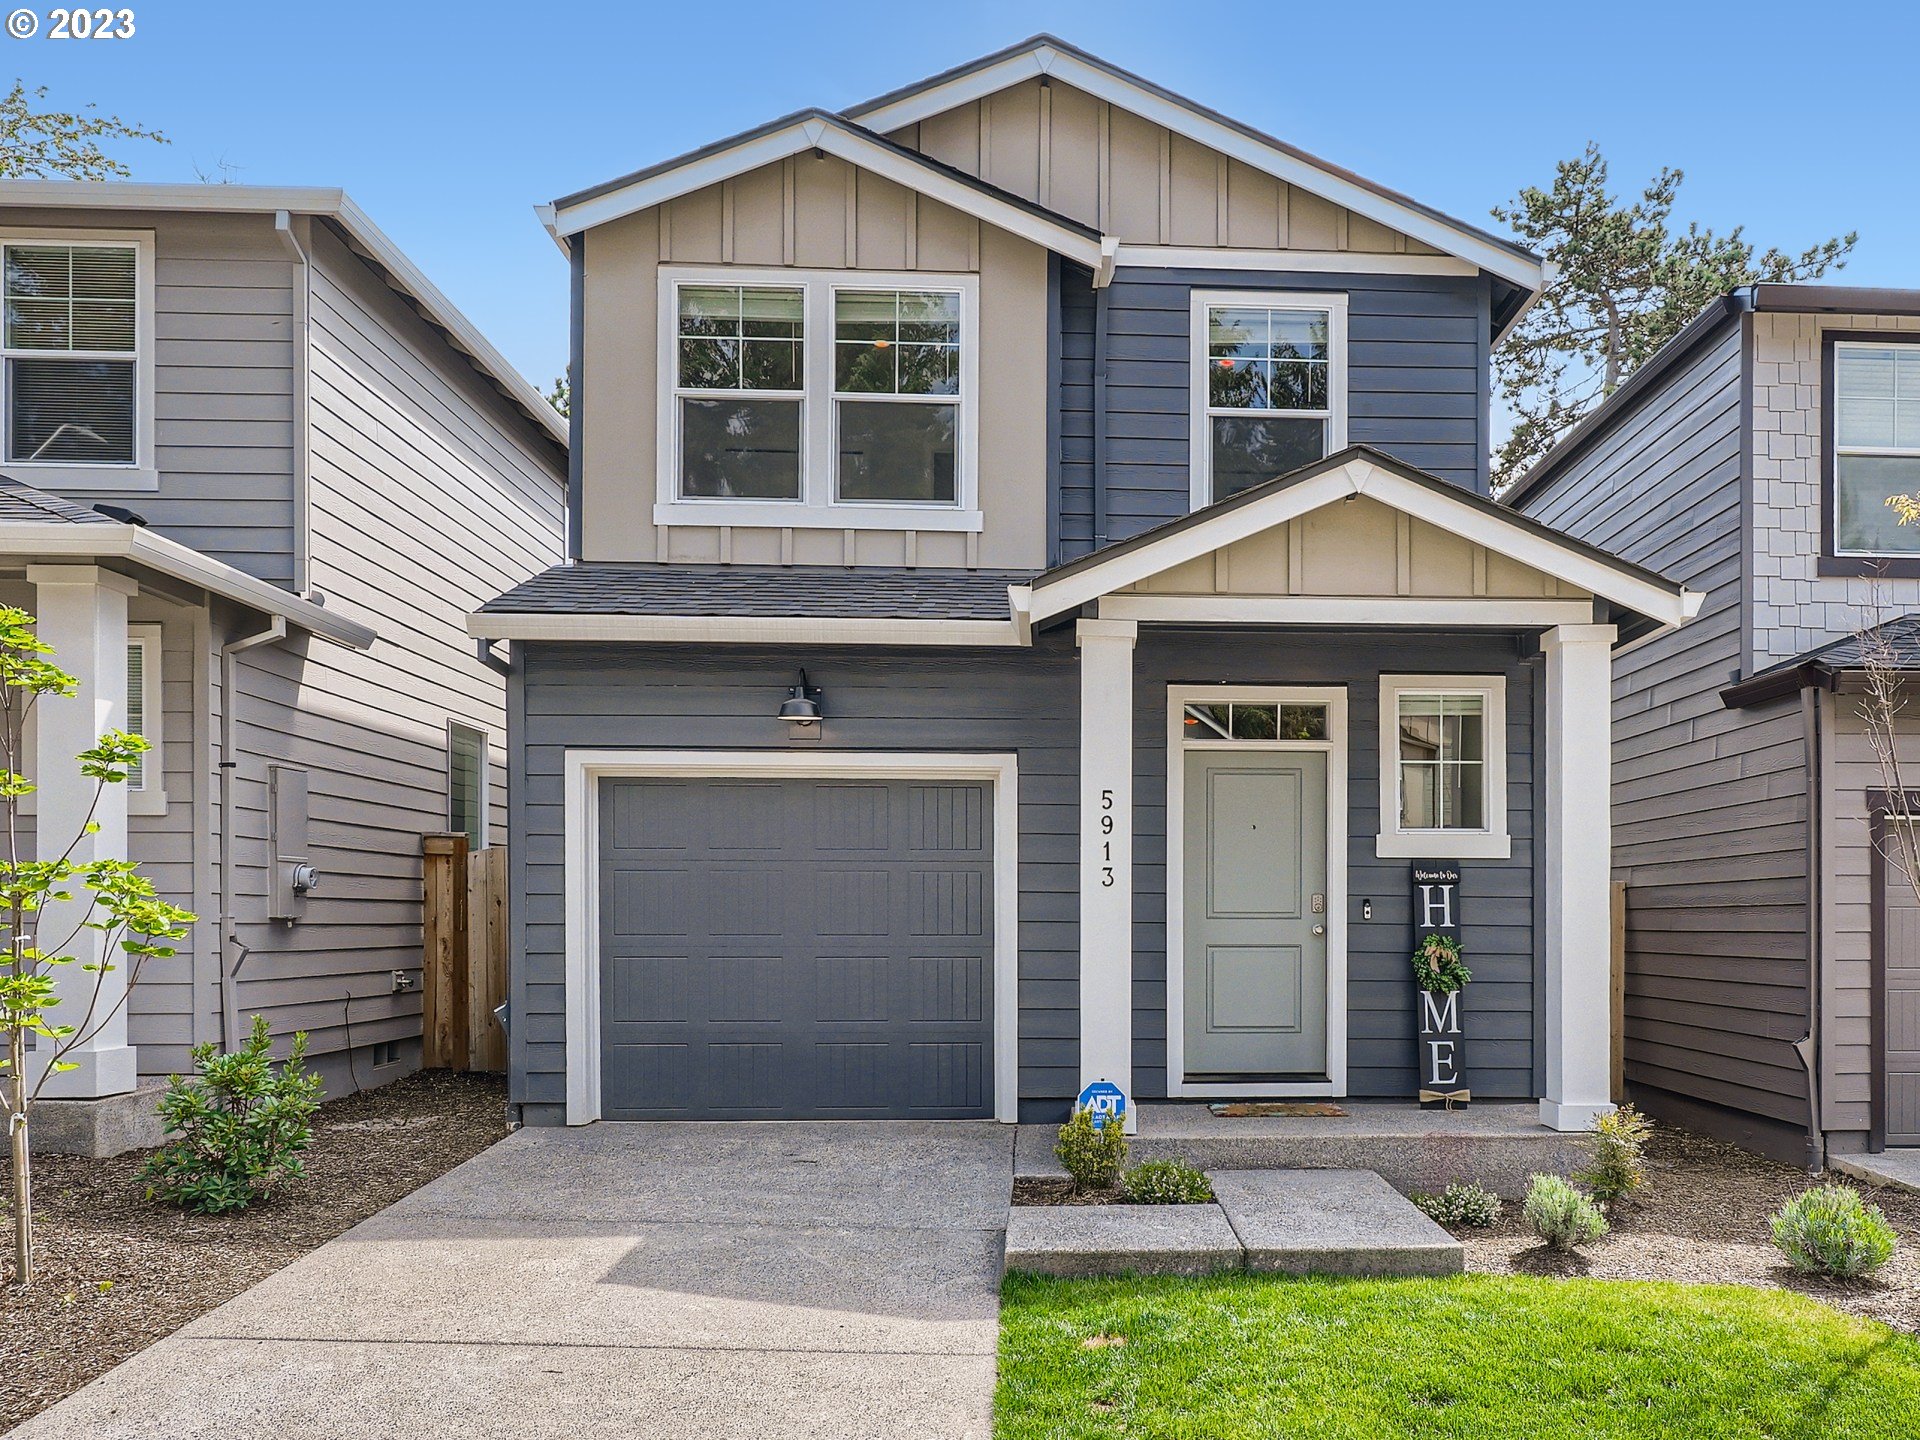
1496	895
429	496
1076	410
657	697
1710	804
1416	382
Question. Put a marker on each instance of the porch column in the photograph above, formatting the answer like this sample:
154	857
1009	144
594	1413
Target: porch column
1578	863
82	611
1106	854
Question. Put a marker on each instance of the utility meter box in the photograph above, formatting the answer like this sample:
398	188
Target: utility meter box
294	876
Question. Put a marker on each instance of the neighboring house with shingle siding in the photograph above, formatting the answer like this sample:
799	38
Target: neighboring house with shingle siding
1031	597
256	472
1772	976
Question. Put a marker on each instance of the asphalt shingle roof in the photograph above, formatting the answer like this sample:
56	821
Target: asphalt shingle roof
606	588
20	502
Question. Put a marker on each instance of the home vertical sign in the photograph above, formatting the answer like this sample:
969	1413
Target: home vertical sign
1442	1043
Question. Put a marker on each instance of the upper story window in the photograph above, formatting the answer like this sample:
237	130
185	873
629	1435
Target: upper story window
1443	766
78	377
817	399
1876	445
1269	386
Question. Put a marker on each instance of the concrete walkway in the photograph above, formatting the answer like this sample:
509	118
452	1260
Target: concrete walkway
686	1281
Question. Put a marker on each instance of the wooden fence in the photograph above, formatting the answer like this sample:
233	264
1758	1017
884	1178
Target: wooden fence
464	955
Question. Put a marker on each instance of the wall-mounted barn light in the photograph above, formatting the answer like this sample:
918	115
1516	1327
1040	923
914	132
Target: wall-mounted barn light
801	708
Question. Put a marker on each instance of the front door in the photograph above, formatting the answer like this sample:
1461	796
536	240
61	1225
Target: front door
1255	946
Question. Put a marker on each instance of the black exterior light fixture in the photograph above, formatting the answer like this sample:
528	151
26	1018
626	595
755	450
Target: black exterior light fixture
801	709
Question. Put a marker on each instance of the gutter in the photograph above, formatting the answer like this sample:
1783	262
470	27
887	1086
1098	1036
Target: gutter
229	764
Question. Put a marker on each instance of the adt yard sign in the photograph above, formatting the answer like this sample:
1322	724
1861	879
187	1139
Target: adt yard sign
1105	1101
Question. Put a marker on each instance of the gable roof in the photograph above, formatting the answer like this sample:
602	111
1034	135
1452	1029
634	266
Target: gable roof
364	237
1360	470
1047	55
832	135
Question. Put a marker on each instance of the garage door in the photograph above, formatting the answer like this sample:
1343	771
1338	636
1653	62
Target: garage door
776	949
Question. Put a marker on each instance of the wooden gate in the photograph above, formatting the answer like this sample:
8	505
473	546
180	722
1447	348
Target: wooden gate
464	955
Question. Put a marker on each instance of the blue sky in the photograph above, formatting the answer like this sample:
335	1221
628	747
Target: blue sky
449	122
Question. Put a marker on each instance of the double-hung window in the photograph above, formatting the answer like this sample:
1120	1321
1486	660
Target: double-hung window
1876	446
823	399
78	375
1443	766
1269	387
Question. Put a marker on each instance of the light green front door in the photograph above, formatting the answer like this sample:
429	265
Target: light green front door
1255	922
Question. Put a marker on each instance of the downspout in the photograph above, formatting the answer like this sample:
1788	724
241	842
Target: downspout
1809	1049
232	953
302	406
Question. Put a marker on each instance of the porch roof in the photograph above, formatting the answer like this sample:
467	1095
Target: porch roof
1826	667
1638	599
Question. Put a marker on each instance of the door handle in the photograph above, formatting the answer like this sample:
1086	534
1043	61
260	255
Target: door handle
1319	929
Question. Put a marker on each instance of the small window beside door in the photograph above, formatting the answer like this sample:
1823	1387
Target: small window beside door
1443	767
467	783
146	787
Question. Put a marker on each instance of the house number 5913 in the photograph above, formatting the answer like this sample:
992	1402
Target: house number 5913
1106	838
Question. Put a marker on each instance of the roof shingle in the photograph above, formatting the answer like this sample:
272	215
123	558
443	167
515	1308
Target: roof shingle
608	588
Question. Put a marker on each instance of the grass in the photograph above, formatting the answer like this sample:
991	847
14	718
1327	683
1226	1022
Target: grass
1237	1357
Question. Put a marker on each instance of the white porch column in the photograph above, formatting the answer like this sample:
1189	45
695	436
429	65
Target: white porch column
1577	865
1106	854
83	614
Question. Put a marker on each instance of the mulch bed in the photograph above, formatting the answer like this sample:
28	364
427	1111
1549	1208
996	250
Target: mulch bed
1702	1217
117	1272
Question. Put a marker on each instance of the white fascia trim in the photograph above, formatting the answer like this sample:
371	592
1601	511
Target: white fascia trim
1184	120
1334	697
1345	610
747	629
1493	843
1331	262
54	540
584	769
816	133
1358	477
331	203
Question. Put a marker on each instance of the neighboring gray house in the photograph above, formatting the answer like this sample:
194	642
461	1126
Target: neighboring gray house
1773	967
945	705
256	471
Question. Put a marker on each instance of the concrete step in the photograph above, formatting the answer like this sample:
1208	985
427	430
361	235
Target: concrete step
1084	1240
1331	1222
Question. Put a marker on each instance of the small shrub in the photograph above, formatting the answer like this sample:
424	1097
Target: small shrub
1093	1154
238	1125
1561	1215
1469	1204
1619	1154
1830	1230
1165	1182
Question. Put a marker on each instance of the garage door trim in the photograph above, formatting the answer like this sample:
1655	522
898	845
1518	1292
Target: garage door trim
585	769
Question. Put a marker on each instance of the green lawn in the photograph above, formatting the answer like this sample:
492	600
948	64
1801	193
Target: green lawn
1256	1358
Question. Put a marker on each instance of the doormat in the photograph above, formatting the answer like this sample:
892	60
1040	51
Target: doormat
1247	1109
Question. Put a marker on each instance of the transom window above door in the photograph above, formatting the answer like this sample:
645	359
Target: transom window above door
1269	387
1876	446
1253	720
819	399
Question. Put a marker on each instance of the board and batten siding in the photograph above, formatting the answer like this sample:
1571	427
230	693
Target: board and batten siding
1024	702
430	495
1710	805
1416	385
224	361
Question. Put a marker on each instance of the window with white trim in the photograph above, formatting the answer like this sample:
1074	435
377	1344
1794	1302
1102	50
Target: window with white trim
467	777
71	344
1876	445
810	398
146	789
1443	766
1269	387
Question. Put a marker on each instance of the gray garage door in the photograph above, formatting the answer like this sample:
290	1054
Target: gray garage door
795	949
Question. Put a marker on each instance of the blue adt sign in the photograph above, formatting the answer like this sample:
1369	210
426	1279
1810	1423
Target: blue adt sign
1105	1100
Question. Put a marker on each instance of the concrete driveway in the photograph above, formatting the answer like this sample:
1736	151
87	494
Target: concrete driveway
683	1280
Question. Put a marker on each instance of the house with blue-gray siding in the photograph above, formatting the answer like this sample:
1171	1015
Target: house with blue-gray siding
1033	599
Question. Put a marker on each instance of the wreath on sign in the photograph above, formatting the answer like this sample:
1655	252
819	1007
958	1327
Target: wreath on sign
1437	966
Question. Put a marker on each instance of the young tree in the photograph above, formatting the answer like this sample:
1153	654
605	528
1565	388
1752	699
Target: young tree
39	144
561	396
1626	284
41	884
